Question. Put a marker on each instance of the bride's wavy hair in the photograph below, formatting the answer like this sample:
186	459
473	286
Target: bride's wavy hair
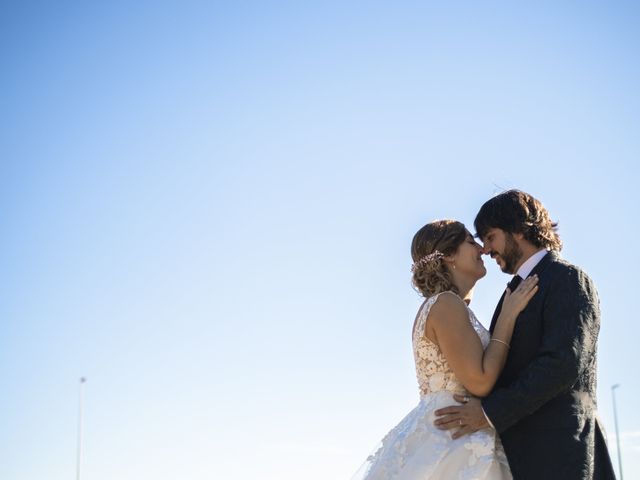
515	211
436	239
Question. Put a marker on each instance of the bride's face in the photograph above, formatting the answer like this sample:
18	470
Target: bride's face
468	259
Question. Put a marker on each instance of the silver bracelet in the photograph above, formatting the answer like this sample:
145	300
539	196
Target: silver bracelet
500	341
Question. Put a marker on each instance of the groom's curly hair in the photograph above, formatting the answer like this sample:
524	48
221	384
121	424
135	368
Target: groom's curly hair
515	211
430	274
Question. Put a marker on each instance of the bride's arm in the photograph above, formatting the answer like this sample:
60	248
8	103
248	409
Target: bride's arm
476	368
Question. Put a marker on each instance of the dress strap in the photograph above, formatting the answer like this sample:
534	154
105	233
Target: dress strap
424	311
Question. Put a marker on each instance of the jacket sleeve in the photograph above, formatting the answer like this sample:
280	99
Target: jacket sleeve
571	321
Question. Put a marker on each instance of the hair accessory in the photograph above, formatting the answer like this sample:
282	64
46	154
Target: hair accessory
432	257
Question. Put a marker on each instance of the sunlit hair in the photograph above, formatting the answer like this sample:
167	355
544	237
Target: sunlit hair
515	211
430	273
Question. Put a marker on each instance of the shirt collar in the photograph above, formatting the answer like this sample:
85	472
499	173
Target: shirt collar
532	261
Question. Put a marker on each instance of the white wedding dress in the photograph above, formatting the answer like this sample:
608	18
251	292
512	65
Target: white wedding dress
415	449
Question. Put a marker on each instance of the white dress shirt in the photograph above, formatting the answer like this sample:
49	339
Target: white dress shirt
525	269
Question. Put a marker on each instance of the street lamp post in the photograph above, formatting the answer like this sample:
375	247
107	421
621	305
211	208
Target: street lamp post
79	459
615	420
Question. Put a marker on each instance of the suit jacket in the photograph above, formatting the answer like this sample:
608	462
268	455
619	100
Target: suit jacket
544	402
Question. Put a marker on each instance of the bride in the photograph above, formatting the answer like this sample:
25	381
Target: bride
454	354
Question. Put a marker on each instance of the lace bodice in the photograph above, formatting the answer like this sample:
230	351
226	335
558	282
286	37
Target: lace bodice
432	369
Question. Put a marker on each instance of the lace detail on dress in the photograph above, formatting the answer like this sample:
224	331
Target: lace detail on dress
432	370
416	449
416	445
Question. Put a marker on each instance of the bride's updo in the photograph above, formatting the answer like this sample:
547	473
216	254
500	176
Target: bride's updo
432	242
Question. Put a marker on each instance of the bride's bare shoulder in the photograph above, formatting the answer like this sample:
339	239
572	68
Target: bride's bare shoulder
448	308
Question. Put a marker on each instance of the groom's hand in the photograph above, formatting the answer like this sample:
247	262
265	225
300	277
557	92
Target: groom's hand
466	418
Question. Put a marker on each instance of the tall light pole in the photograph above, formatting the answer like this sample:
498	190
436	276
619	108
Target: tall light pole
79	459
615	419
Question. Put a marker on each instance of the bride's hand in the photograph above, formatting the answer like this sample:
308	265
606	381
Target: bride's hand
514	302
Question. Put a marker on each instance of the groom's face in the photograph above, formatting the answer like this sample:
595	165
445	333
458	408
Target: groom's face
503	248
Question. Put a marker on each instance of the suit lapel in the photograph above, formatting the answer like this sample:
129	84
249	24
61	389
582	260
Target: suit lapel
496	313
552	256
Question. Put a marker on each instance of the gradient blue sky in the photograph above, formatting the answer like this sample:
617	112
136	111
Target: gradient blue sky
207	210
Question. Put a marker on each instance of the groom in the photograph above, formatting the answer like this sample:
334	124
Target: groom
544	402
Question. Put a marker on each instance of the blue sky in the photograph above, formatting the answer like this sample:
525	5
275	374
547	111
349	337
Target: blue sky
207	210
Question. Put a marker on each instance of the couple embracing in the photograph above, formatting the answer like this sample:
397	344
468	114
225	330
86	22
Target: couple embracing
517	401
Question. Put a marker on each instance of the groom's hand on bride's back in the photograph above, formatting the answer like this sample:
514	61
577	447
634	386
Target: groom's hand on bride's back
465	418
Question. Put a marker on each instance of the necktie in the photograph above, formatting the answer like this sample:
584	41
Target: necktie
515	281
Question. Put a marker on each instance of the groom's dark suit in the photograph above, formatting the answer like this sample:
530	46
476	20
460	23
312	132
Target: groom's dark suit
544	402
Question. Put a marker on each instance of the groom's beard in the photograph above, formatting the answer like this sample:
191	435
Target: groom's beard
511	255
